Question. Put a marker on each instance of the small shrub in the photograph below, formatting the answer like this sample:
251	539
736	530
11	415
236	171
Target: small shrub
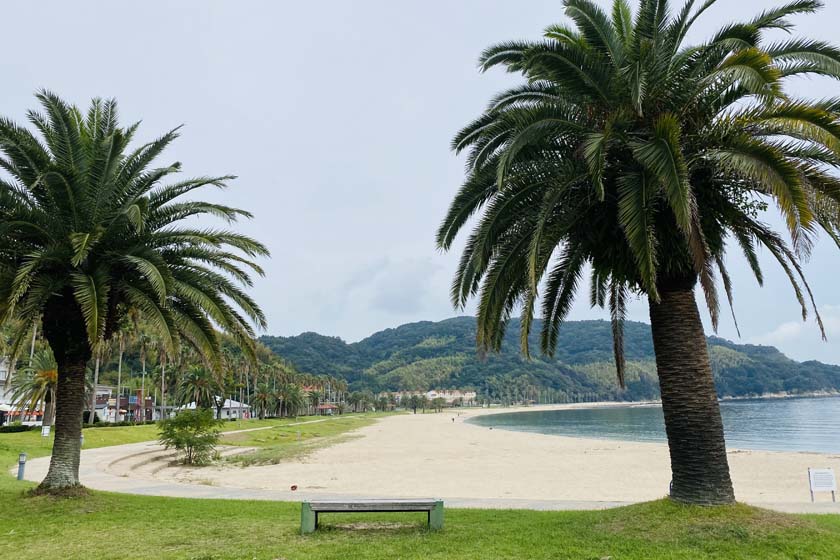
121	424
14	428
194	433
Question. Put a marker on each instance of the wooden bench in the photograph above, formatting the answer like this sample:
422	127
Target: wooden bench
309	510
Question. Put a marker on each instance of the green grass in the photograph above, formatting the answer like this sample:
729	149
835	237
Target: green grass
36	446
96	526
102	525
295	439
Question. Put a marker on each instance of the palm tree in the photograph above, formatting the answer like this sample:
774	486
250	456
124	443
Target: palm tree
198	386
263	399
293	399
90	232
313	398
643	158
33	388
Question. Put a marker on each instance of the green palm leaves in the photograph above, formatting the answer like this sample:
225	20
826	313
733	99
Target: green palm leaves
34	386
634	154
85	215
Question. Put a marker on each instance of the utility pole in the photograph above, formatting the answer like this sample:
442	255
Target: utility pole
95	382
143	386
119	379
162	384
32	347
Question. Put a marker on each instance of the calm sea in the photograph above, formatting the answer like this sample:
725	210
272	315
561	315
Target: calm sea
792	424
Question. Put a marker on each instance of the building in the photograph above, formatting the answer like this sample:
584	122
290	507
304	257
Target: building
327	409
231	410
5	394
103	397
450	396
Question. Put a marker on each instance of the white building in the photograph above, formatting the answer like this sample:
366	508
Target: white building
449	396
230	409
452	395
5	393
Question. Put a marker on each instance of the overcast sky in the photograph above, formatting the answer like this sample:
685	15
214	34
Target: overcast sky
337	118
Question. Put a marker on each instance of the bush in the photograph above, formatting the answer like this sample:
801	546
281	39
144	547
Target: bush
14	428
194	433
121	424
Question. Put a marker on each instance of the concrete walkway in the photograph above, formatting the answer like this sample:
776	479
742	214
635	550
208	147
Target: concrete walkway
100	470
97	467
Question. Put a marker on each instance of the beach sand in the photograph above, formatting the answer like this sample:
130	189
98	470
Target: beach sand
427	455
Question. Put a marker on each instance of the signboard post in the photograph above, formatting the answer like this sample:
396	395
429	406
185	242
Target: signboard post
822	480
45	431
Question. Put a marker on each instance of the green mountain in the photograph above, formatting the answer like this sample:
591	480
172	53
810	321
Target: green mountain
427	355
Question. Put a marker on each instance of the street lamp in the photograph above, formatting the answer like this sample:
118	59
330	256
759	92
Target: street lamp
21	465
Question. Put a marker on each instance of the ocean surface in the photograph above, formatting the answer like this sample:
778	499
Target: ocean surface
790	424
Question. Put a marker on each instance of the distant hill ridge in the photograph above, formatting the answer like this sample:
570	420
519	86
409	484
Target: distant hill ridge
427	355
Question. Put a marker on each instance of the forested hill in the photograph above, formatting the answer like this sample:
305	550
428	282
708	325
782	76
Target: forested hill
426	355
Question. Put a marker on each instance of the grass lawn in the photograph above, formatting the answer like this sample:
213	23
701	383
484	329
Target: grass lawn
104	525
112	525
294	439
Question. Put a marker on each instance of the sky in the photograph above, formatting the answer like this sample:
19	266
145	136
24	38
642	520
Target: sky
336	117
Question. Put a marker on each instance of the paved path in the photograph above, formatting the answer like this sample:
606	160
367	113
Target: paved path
99	470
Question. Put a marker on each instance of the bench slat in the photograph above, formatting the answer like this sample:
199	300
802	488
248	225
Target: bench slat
336	506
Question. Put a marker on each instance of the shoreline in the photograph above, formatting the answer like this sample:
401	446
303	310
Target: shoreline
731	447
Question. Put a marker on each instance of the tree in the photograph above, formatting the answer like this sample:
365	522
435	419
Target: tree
89	232
413	402
262	400
313	398
33	388
198	386
293	399
194	433
638	156
438	403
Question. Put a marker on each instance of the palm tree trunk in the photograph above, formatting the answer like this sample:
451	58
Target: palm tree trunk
699	466
70	403
64	329
49	408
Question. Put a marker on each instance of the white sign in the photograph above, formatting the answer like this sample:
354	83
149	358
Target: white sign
45	431
822	480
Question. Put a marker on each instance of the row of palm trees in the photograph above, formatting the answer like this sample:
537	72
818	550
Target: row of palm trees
274	388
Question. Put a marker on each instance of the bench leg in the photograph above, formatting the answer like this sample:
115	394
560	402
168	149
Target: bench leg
308	519
436	517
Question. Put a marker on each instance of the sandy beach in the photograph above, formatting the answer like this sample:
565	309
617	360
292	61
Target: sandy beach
430	455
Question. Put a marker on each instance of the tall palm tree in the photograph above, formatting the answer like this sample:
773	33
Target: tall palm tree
33	388
90	231
313	399
263	399
293	399
643	157
198	386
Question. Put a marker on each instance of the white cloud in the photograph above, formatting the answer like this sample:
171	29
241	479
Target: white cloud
802	340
